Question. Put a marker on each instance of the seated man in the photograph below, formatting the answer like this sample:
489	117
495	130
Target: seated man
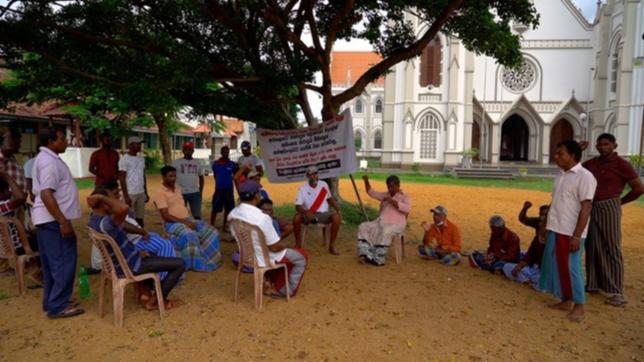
447	237
246	172
142	240
527	270
295	259
374	237
312	206
504	247
108	216
196	242
11	198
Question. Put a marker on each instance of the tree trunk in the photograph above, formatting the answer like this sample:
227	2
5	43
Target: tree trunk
164	138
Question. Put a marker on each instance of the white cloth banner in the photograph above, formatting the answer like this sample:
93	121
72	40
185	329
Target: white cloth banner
329	146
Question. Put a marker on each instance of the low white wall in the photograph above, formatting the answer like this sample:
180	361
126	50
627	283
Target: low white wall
77	159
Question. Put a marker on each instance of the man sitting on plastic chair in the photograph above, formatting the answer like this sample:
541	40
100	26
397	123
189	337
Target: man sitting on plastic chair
108	216
312	206
295	259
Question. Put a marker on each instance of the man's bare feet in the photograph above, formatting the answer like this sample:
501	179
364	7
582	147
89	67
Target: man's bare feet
268	287
565	305
577	313
362	259
169	304
333	251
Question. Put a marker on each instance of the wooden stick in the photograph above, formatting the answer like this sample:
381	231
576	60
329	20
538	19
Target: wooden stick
355	188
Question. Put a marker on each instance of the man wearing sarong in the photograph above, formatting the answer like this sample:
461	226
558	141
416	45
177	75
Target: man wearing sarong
567	226
604	261
312	206
374	237
296	259
528	270
196	242
446	235
504	247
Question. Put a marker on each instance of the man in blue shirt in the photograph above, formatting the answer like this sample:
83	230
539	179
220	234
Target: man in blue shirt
108	216
223	200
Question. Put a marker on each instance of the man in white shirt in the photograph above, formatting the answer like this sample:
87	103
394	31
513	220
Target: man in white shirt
132	178
190	179
55	206
567	225
295	259
249	159
312	206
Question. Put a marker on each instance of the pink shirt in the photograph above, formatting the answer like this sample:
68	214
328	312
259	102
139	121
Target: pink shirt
50	172
388	212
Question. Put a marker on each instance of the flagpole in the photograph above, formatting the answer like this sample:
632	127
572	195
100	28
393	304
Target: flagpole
355	188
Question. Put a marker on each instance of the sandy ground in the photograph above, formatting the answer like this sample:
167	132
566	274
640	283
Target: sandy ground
418	310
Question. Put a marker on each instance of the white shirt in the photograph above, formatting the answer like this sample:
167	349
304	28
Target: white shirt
306	196
133	238
50	172
255	216
134	167
570	189
252	159
188	172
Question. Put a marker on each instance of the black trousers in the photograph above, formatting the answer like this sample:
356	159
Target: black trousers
156	264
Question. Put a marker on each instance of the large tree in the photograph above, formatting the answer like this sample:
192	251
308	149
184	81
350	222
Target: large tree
263	53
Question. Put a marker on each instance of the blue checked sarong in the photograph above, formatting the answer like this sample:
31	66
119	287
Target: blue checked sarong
451	259
157	246
199	248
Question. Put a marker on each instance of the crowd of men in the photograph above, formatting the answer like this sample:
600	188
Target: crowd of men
584	213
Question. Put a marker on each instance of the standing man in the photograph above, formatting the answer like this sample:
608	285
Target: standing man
250	159
55	206
604	261
132	177
190	179
104	162
224	197
312	206
567	225
10	141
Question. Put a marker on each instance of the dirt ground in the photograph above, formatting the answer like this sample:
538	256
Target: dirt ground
418	310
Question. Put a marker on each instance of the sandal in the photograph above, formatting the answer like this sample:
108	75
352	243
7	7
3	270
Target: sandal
616	301
70	311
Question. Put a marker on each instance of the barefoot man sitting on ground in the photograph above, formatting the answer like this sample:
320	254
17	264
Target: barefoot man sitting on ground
312	206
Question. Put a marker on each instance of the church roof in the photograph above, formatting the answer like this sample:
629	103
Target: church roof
348	66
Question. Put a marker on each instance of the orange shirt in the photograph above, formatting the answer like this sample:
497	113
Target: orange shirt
171	200
447	236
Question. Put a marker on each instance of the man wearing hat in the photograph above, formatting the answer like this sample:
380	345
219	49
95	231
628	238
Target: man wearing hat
224	197
446	235
132	177
504	247
248	158
295	259
190	179
312	206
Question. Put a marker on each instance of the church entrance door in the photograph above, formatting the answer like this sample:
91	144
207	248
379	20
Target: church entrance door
515	138
476	138
561	131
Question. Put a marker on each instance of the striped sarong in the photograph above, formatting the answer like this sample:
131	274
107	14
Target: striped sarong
604	260
157	246
561	270
199	248
374	239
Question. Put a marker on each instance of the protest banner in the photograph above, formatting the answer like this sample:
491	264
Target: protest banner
329	146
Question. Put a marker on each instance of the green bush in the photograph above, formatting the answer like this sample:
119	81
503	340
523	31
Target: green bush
152	158
351	213
415	167
635	159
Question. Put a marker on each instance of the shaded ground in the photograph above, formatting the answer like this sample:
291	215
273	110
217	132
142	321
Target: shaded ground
418	310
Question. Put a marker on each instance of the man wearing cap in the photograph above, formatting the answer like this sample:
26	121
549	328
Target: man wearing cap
295	259
190	179
104	162
132	177
504	247
248	158
224	197
446	235
312	206
374	237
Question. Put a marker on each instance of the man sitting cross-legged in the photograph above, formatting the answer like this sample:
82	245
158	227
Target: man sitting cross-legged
296	259
196	242
447	237
504	247
312	206
527	270
108	216
149	242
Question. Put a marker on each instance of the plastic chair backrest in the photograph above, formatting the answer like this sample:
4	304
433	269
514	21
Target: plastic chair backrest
102	241
243	233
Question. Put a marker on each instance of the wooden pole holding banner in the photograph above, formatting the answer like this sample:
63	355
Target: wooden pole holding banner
355	188
639	159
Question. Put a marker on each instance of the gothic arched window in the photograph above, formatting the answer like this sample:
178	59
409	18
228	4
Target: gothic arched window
430	64
429	128
359	105
377	140
378	106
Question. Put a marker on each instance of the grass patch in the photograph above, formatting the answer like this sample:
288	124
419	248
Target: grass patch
4	295
351	213
85	183
526	183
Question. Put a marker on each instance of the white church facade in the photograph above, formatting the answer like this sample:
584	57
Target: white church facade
579	79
